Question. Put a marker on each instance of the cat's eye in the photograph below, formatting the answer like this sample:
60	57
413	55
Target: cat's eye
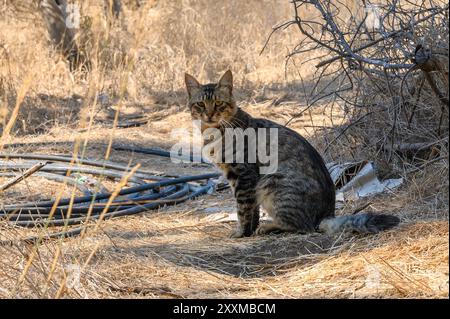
201	105
221	106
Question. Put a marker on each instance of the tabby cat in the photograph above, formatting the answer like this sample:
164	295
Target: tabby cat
299	196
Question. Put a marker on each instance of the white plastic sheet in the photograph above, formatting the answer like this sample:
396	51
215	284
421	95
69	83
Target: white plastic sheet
358	180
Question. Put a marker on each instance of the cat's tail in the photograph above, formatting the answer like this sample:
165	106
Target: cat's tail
365	223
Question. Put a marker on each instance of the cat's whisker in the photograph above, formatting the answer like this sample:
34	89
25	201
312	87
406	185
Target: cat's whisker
238	121
232	124
228	124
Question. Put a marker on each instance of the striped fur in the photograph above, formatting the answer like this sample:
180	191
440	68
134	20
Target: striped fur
298	196
366	223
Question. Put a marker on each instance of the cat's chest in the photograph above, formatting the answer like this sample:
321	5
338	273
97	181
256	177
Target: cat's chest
228	173
224	167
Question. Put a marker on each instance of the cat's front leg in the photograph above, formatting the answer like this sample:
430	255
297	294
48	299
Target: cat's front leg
247	212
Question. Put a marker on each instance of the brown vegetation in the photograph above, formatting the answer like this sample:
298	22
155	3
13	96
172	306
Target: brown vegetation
136	67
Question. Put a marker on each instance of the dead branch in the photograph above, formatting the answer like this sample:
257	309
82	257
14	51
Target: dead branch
113	8
62	35
428	63
384	37
20	178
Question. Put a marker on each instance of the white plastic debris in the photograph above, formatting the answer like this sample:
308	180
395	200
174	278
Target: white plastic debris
359	179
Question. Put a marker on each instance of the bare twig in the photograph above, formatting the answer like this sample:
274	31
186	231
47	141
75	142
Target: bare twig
388	73
25	175
386	36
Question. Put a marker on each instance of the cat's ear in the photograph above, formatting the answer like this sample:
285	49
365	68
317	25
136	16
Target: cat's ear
191	83
227	81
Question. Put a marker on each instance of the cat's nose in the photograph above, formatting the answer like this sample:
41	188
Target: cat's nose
210	116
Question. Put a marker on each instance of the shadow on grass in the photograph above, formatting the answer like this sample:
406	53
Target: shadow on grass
243	258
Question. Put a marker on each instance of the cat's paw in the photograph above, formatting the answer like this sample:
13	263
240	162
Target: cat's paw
268	228
237	233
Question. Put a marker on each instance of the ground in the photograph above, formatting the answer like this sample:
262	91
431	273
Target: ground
138	66
183	252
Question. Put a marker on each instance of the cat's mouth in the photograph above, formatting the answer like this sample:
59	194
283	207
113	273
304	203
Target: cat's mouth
210	124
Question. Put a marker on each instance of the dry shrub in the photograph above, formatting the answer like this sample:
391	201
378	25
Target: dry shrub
393	92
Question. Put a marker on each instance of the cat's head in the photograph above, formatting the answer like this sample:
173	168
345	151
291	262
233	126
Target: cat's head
213	103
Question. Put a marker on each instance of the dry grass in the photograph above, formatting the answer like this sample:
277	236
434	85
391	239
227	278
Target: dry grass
138	68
